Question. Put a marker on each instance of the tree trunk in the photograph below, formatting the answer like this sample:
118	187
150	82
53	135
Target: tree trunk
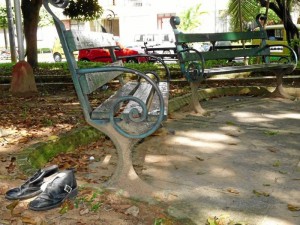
5	38
31	10
283	12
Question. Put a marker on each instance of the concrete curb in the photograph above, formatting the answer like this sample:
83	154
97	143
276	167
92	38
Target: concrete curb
37	155
204	94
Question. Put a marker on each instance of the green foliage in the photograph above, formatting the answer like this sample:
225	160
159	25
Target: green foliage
91	202
142	66
271	132
295	43
45	18
83	10
223	220
159	221
272	17
3	17
190	18
249	10
277	163
62	67
47	122
6	68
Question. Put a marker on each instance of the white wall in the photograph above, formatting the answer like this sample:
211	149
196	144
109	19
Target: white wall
46	36
143	21
137	20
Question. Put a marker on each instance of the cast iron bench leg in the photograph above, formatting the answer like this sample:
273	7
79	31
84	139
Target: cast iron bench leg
279	91
125	177
195	104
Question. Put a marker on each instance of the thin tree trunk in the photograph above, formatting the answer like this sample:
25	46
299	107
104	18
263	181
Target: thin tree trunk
31	10
5	38
284	14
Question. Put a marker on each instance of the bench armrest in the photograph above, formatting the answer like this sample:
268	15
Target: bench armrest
167	71
193	70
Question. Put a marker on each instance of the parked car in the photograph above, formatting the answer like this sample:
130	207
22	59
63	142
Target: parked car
103	55
57	51
155	39
99	54
4	54
276	37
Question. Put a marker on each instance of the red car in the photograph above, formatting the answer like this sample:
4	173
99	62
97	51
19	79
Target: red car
103	55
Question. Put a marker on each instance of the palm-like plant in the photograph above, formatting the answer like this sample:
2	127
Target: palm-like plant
282	8
191	18
244	12
241	12
250	8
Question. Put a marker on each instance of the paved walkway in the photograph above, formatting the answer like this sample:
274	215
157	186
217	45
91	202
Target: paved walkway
240	162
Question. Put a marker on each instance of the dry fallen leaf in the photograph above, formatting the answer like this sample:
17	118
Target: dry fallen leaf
160	132
66	206
28	220
200	159
233	191
10	168
293	207
84	211
262	193
272	149
12	206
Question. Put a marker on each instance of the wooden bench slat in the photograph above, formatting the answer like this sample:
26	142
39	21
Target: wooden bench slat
225	54
92	81
102	111
78	40
143	92
154	107
214	37
248	68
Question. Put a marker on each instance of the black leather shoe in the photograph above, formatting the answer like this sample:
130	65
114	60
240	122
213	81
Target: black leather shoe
62	187
32	187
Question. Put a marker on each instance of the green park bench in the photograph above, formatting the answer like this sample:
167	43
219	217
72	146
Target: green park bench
131	113
193	62
165	53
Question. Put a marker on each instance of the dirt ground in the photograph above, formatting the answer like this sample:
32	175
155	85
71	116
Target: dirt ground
25	121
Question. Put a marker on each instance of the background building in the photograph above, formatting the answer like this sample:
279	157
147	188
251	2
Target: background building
132	17
129	18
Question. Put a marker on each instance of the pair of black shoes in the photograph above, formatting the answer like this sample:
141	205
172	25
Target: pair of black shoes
51	186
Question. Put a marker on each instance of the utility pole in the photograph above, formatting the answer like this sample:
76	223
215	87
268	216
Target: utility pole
19	30
11	31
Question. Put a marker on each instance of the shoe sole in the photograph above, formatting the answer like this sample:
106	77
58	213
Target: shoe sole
50	169
71	195
34	194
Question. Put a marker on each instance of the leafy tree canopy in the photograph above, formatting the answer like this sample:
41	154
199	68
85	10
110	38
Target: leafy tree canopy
249	10
3	16
83	10
190	18
45	18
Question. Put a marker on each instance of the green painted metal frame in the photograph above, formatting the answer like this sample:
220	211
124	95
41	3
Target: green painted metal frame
105	74
191	59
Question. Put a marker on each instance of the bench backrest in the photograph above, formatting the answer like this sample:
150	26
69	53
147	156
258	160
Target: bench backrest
85	80
225	53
